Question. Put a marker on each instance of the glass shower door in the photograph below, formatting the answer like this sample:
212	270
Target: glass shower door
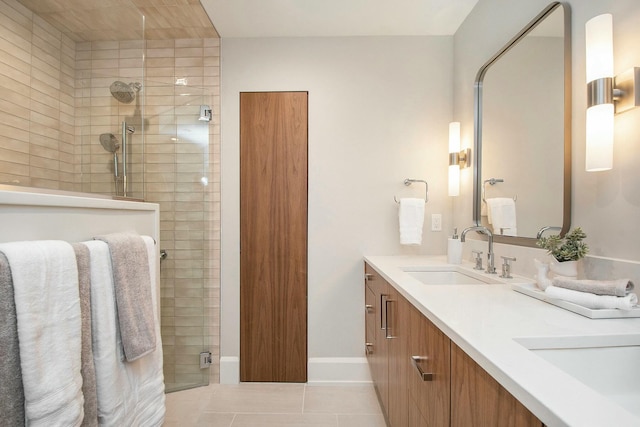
177	177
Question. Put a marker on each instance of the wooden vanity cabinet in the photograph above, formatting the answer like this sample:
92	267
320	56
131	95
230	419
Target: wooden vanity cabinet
444	387
480	401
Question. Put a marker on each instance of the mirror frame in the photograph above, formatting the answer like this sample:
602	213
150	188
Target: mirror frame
477	113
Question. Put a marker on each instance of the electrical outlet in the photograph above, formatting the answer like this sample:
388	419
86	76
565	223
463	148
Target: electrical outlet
436	222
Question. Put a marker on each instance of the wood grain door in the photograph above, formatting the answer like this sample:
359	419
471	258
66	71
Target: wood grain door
273	236
399	316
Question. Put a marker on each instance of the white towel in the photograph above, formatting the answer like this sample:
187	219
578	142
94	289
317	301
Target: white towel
129	393
45	280
411	218
594	301
501	214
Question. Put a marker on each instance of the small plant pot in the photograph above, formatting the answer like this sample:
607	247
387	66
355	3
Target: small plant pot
565	268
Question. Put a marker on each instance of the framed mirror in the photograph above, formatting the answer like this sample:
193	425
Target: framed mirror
522	118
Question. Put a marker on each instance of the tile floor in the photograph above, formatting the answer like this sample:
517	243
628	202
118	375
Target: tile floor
272	405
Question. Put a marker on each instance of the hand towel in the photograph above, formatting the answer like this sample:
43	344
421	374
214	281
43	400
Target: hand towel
618	288
411	218
87	370
129	393
132	284
45	285
501	214
11	391
592	300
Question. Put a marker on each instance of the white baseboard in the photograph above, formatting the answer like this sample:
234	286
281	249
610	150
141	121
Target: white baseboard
321	371
229	370
338	371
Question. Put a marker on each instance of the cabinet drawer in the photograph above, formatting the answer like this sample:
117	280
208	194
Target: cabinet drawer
429	376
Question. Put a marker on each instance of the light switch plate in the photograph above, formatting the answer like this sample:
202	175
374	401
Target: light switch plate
436	222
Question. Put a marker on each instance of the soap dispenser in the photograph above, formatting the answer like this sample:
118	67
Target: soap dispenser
454	248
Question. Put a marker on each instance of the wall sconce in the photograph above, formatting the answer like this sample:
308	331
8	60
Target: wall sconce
457	159
205	113
603	91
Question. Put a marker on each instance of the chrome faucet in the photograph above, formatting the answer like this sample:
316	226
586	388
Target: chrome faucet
491	269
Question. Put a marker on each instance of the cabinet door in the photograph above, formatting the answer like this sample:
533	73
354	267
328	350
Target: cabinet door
398	315
429	375
378	358
480	401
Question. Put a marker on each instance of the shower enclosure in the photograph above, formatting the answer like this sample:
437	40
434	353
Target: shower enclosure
116	111
158	151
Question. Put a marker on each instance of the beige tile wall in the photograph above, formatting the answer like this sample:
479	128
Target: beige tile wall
56	102
37	102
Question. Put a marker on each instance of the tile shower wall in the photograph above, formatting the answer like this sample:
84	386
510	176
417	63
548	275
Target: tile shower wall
37	103
98	64
56	102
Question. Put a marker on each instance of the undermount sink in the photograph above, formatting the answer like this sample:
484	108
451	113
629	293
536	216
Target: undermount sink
449	275
607	365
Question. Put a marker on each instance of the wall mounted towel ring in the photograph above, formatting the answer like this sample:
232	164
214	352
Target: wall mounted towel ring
409	181
492	181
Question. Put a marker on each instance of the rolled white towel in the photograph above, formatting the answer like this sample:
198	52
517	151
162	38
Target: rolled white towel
618	288
594	301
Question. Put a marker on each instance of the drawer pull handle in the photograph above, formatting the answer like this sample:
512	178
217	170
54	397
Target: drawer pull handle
368	277
368	308
426	376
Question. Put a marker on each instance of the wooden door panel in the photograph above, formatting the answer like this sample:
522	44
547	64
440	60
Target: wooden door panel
273	236
399	318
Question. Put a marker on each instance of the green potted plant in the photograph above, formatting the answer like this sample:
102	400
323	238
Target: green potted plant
566	250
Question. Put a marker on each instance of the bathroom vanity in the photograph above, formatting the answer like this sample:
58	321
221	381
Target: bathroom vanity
452	346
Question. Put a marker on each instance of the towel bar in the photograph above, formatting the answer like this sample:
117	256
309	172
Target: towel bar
410	181
492	181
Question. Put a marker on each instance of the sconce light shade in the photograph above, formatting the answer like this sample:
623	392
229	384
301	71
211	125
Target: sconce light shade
599	42
599	138
454	165
600	109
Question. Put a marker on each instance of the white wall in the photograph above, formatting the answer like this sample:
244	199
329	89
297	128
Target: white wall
605	204
379	110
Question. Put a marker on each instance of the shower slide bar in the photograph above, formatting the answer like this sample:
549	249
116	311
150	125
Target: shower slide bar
126	131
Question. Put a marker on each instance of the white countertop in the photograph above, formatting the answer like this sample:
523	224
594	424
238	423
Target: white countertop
485	320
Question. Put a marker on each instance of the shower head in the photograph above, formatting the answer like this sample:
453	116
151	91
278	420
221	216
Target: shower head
124	92
109	142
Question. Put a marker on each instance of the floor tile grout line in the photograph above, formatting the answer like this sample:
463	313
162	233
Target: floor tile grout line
304	396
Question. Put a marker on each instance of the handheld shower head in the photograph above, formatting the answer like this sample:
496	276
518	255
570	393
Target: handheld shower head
109	142
125	92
